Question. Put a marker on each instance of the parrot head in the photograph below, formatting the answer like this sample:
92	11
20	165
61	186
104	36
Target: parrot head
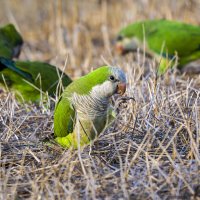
129	39
112	81
12	36
10	32
125	45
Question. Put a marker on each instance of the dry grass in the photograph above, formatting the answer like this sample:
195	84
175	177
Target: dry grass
152	151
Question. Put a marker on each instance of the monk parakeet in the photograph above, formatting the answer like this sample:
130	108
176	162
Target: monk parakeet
23	77
10	42
84	107
163	39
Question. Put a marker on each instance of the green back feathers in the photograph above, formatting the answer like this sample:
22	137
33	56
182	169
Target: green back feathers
132	30
167	37
45	76
23	76
149	27
11	65
84	84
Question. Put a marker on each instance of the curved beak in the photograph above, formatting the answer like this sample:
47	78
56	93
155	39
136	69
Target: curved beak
121	88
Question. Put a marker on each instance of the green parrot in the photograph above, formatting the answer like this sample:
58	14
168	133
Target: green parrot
10	42
26	78
84	109
164	39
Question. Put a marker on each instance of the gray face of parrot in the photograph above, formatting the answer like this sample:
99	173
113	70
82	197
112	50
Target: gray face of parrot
125	45
115	84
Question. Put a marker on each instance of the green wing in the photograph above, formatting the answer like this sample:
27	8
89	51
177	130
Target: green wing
14	78
7	63
64	118
166	39
45	76
23	77
174	37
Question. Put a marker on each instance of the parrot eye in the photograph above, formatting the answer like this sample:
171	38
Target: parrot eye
112	78
119	37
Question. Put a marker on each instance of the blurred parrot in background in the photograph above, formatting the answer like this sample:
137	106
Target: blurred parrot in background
27	79
10	42
84	108
165	40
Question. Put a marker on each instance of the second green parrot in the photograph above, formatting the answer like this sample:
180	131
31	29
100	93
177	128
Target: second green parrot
28	79
164	39
84	107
